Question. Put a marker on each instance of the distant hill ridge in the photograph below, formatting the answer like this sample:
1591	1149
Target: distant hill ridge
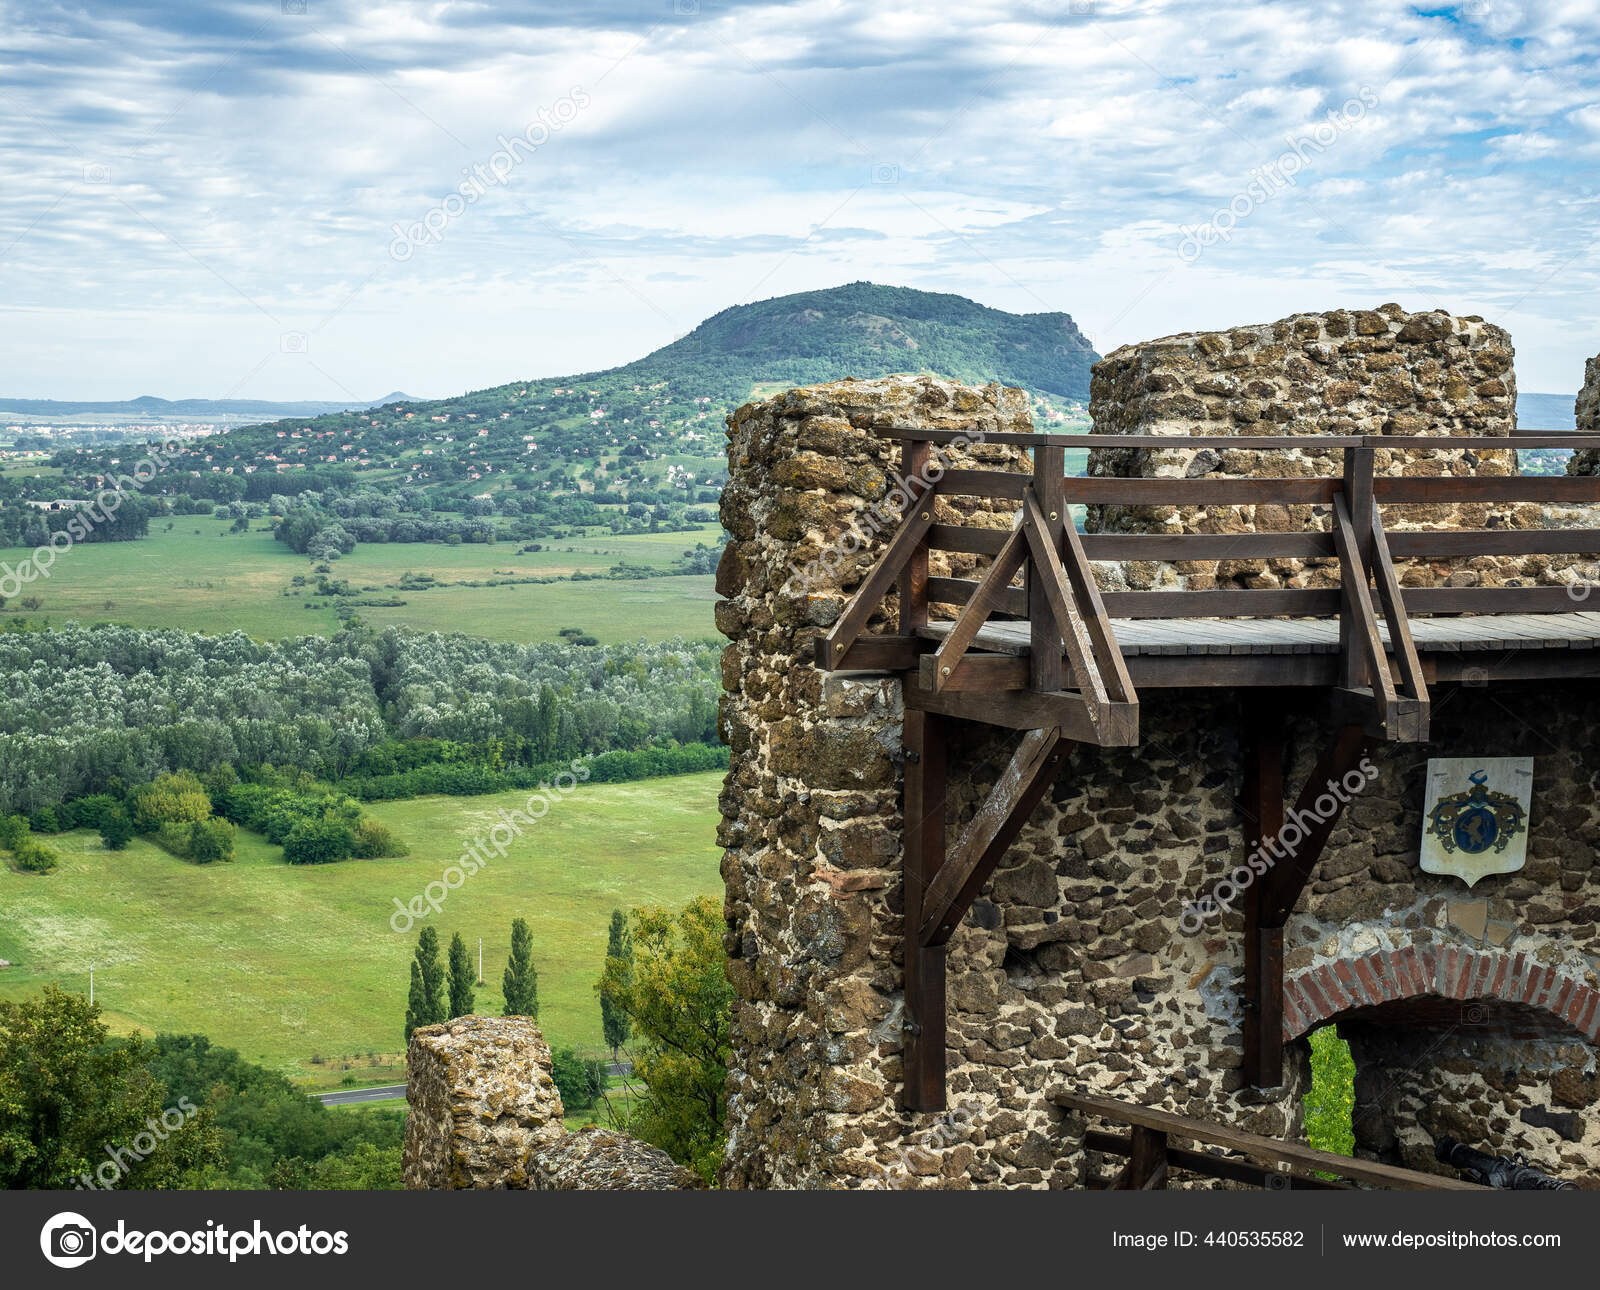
156	408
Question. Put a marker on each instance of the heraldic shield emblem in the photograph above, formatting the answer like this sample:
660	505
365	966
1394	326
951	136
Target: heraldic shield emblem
1476	820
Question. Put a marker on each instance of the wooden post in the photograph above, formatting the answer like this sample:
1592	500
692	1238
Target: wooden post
913	580
1263	945
1358	492
924	740
1049	472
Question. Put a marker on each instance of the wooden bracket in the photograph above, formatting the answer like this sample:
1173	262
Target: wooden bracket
1289	847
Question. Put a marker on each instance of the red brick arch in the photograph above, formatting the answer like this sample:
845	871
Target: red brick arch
1329	990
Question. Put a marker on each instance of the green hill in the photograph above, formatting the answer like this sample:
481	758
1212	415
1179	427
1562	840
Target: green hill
631	448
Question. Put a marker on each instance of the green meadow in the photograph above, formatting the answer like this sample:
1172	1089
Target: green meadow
289	963
191	573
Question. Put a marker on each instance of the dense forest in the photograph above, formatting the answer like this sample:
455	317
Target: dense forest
92	710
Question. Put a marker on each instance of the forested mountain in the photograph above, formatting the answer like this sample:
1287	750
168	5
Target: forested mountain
648	432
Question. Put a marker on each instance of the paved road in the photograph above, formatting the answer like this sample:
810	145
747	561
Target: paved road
345	1096
383	1092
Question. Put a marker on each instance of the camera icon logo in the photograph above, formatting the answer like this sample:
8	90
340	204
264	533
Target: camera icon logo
686	8
68	1240
96	173
294	6
884	173
294	342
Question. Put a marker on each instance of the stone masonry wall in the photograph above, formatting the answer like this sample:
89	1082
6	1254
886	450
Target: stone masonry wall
1347	372
1077	966
485	1112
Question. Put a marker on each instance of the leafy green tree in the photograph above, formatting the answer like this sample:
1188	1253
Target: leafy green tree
675	993
614	1023
521	982
461	978
72	1103
580	1080
116	829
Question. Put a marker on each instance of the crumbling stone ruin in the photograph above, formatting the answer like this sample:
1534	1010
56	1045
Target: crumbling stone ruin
485	1112
1081	966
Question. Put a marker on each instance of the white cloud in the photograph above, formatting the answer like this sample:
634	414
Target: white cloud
179	186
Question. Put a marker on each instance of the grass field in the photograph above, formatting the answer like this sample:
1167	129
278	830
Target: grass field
198	577
285	962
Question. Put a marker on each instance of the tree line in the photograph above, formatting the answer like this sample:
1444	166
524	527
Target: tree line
91	710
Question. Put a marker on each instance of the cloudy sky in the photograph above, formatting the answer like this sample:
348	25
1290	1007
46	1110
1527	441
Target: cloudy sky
332	199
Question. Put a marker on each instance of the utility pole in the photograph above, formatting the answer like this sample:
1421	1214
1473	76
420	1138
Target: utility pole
91	985
480	960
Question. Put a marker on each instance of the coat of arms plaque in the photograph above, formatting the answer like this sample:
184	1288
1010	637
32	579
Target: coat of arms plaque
1475	816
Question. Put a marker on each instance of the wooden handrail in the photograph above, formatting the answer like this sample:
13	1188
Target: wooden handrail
1295	1159
1288	441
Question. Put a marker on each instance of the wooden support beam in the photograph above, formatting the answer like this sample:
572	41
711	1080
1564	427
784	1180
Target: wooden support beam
984	672
912	584
924	739
987	835
1413	685
1062	625
1107	651
996	579
1045	506
914	526
1025	710
1267	1151
873	654
1293	860
1210	1164
1263	947
1146	1169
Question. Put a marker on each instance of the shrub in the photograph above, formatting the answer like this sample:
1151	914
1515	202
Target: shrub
116	829
13	829
87	812
44	820
34	857
210	841
178	798
318	841
373	840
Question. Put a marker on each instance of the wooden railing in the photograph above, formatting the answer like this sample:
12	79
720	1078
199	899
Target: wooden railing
1071	618
1250	1158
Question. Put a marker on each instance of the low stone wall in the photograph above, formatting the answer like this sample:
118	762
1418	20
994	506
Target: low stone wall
485	1112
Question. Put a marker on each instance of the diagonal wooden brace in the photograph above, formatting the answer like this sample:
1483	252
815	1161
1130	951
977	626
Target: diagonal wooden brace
988	834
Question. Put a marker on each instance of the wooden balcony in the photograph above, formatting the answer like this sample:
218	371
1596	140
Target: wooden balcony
1036	646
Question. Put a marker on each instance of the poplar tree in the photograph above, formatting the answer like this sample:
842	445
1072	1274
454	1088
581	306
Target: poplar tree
521	978
614	1022
461	978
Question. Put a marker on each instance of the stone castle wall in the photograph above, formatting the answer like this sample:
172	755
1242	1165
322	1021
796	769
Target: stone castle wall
1077	966
1347	372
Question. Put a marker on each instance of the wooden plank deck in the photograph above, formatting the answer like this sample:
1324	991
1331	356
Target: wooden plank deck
1256	636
